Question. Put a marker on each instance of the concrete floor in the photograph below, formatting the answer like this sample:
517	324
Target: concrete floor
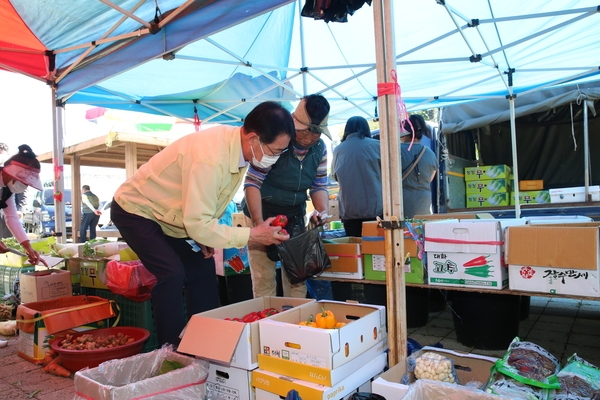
561	326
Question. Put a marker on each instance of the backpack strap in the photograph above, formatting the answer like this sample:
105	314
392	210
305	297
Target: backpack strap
412	166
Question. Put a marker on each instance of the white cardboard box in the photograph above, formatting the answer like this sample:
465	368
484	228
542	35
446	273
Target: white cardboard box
323	376
452	246
471	367
281	336
45	285
135	377
229	383
574	194
556	259
272	386
209	335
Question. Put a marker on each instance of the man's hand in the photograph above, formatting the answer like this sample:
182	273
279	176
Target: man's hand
207	251
98	212
266	234
319	218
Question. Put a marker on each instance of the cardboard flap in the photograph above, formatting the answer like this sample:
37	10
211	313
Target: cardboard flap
472	236
553	246
199	338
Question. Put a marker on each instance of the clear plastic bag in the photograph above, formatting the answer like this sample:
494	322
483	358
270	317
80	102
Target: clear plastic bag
303	256
130	279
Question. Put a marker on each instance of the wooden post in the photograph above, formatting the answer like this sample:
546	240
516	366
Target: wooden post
392	183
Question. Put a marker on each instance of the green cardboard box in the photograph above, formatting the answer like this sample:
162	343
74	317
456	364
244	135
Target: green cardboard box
493	200
375	269
532	197
487	172
488	187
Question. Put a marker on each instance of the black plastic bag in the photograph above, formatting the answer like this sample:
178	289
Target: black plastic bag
303	256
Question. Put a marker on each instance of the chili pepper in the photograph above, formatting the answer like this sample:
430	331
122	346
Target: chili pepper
309	322
482	272
326	319
251	317
476	262
267	312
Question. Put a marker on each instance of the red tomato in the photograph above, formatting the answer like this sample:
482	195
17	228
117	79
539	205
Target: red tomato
280	220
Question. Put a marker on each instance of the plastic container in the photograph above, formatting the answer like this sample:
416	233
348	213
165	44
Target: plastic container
486	321
74	360
131	313
8	276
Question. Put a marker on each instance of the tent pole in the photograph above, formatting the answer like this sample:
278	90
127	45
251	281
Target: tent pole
586	151
513	138
302	52
58	164
391	184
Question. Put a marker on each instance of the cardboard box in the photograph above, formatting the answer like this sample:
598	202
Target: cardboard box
459	216
323	376
488	187
45	285
533	197
238	344
346	258
414	271
238	219
470	367
225	382
562	259
281	336
467	253
372	238
574	194
39	319
92	272
486	172
334	210
491	200
273	386
531	185
136	377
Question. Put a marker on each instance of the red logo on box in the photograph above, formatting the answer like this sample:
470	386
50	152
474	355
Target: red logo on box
527	272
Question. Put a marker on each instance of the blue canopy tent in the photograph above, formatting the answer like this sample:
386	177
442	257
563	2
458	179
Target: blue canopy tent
217	59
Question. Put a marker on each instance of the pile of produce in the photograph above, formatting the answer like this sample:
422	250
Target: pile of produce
324	320
91	342
255	315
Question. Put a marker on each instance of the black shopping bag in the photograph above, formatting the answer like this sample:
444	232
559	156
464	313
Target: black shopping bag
303	256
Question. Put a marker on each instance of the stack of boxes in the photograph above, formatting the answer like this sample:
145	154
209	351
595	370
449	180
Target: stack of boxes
265	359
321	363
488	186
374	258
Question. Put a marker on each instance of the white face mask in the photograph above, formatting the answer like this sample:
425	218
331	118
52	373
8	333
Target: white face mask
17	186
266	160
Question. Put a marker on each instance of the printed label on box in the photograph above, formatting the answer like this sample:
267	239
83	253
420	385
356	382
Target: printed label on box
379	263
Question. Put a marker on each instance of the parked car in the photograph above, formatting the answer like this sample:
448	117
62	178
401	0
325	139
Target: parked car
39	217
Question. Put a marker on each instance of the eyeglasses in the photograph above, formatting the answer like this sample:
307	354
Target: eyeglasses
271	150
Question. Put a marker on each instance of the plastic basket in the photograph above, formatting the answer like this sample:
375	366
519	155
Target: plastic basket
8	276
132	313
